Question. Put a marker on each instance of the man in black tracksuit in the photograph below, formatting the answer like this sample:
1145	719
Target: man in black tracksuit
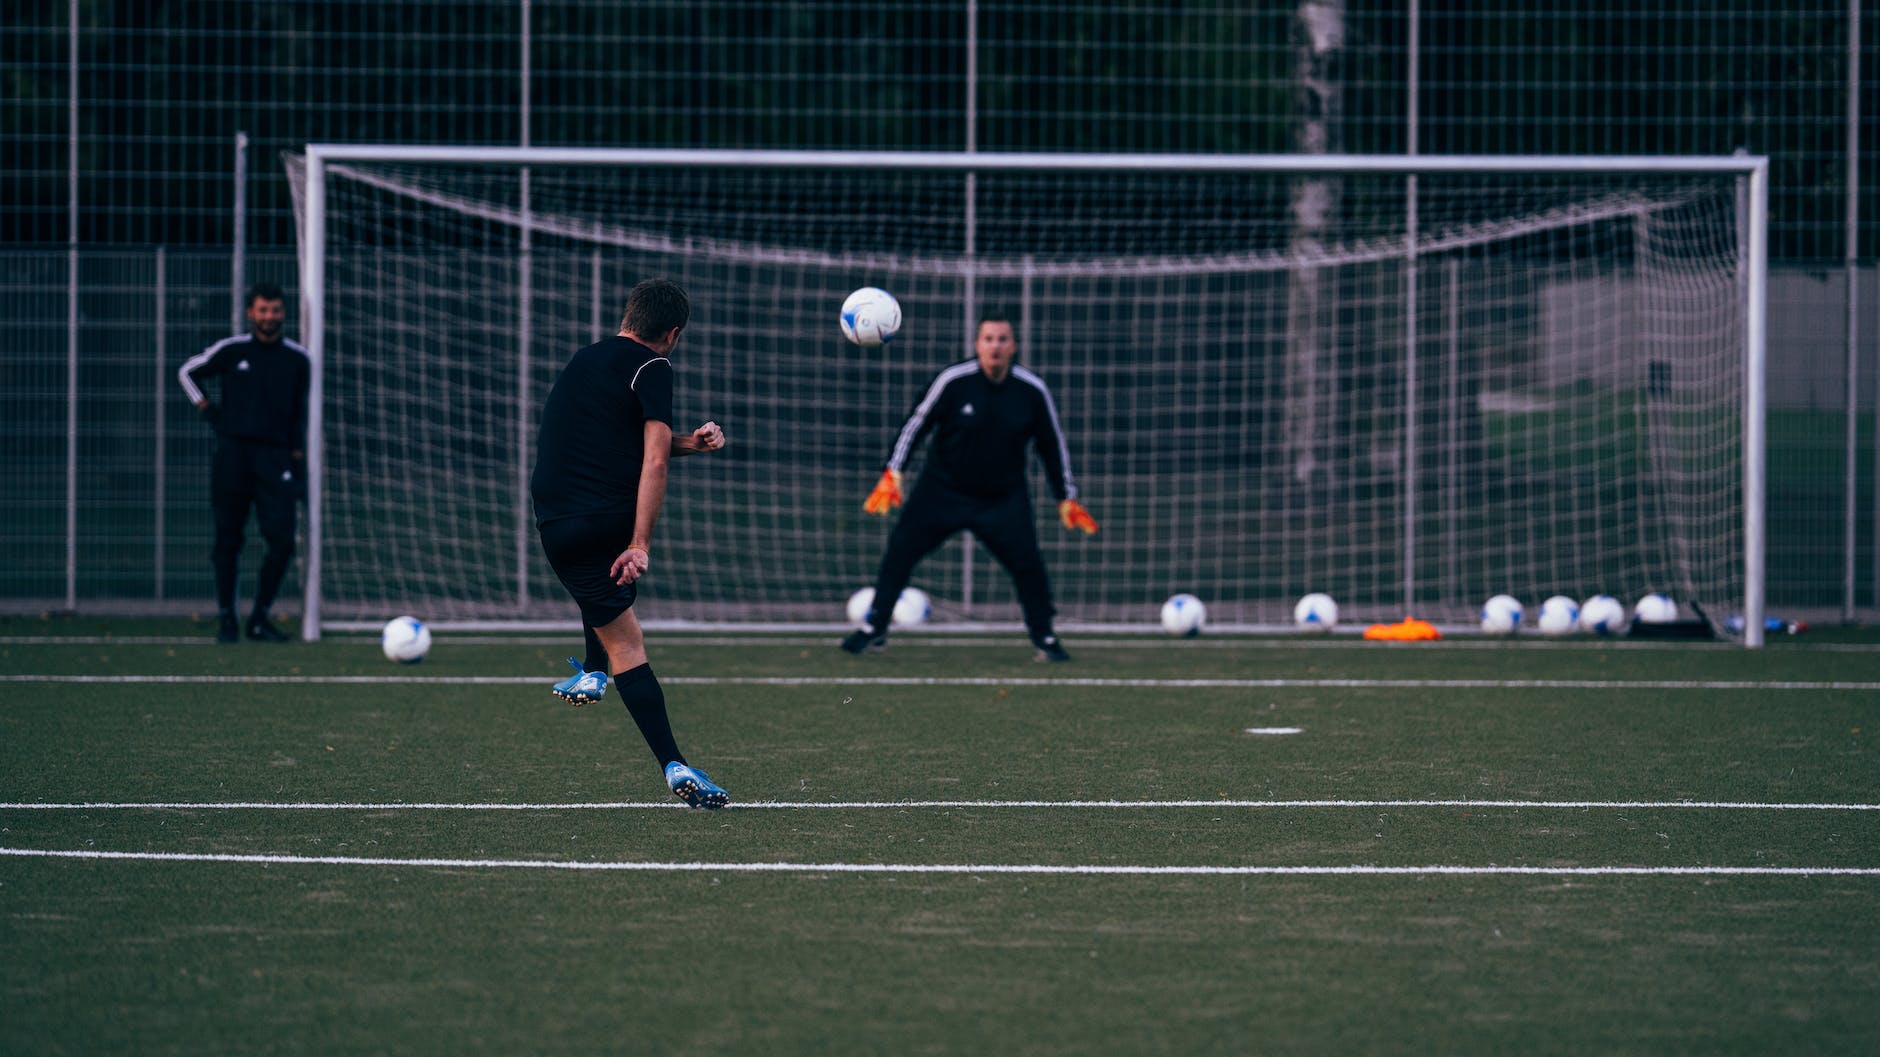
261	440
983	413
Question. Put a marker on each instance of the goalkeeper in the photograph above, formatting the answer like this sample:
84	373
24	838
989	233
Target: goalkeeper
982	413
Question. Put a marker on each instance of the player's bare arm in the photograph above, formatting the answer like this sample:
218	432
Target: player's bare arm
636	559
708	437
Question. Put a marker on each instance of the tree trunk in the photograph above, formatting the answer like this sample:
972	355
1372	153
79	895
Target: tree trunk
1318	111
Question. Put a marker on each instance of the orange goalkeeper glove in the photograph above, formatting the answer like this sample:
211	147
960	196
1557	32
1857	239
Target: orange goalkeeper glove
1074	516
887	493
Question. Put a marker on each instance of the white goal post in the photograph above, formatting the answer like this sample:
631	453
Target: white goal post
1408	381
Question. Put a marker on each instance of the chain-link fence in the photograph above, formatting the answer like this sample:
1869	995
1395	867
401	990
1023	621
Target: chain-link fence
121	121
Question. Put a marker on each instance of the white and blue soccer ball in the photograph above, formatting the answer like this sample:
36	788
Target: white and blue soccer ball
1602	615
871	317
1184	615
913	607
405	640
859	604
1501	615
1316	612
1559	615
1655	608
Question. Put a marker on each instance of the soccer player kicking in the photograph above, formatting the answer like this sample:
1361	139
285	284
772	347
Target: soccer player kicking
983	413
600	476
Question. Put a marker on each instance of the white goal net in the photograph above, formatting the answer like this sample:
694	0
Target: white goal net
1408	383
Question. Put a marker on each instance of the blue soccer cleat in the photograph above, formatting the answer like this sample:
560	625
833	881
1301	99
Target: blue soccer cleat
693	786
581	687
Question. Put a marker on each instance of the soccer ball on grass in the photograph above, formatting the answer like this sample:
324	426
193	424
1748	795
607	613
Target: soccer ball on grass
1559	615
1501	615
405	640
913	607
1655	608
1184	615
1602	615
1316	612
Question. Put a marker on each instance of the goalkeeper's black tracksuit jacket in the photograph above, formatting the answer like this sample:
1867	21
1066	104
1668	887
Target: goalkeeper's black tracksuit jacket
974	479
264	389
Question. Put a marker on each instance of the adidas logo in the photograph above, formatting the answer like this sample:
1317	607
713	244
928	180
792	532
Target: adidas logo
242	366
967	410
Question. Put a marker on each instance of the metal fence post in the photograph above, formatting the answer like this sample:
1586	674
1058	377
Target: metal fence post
158	390
238	250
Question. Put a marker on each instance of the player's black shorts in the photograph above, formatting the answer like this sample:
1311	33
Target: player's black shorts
582	550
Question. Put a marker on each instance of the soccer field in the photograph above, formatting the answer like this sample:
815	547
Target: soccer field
1275	845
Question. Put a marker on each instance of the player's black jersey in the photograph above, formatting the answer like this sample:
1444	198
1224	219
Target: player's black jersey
593	435
264	388
981	430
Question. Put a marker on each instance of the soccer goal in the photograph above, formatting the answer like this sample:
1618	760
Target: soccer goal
1408	382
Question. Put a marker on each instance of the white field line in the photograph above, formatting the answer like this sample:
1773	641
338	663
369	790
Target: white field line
959	868
883	680
866	805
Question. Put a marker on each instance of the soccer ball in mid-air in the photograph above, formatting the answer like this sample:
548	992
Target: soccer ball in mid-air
1559	615
405	640
871	317
1602	615
1316	612
1501	615
1184	615
913	607
1655	608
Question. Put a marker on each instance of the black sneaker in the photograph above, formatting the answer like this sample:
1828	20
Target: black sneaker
1049	648
227	630
865	641
261	629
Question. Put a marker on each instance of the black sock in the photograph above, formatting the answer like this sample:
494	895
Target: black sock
257	616
596	660
646	703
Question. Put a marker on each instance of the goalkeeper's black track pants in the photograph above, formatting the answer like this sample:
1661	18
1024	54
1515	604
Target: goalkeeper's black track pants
934	513
249	474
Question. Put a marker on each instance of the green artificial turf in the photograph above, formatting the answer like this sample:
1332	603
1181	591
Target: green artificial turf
495	950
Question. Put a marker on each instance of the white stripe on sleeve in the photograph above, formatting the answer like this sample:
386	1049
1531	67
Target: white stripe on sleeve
196	363
1057	428
903	445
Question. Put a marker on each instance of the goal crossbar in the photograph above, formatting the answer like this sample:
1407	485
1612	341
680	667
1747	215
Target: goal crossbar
994	161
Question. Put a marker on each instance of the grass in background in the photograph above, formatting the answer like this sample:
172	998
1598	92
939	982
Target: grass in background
207	957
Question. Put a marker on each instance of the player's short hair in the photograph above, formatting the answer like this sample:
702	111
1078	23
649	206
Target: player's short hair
994	317
655	307
263	292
